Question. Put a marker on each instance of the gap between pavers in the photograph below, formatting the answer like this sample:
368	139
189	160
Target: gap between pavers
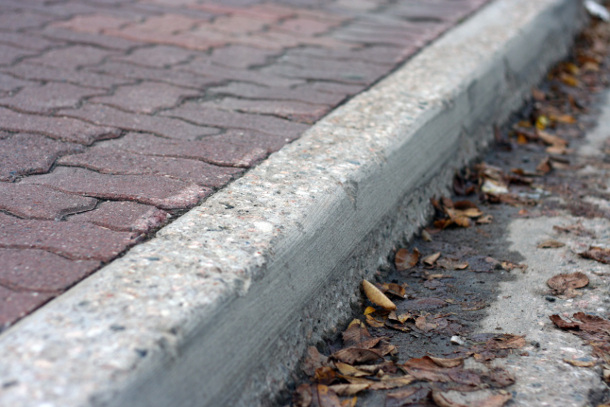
218	308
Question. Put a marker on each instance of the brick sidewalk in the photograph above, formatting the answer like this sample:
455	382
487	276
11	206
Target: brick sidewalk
116	115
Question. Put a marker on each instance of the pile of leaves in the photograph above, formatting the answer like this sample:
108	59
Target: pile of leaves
368	363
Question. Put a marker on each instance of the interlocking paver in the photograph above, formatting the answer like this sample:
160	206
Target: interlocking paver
198	113
146	97
17	304
81	77
24	154
158	56
37	270
41	202
167	127
166	193
287	109
114	113
60	128
77	241
218	150
47	97
124	216
113	160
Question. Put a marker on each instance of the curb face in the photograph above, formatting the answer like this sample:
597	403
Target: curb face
220	306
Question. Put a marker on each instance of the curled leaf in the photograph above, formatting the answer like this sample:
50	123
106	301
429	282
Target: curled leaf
599	254
377	297
405	260
431	259
550	244
564	282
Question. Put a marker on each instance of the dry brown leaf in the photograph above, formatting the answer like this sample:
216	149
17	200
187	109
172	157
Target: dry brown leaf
599	254
407	396
561	283
394	289
405	260
484	220
313	361
550	244
424	325
325	375
442	362
349	370
350	402
356	333
374	322
580	363
563	324
356	355
345	390
377	297
545	166
325	397
425	235
369	310
551	139
431	259
451	399
388	382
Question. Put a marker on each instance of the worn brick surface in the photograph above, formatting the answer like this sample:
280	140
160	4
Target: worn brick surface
217	150
24	154
158	56
17	304
38	270
113	160
47	97
146	97
166	193
124	216
60	128
77	241
199	113
41	202
167	127
113	112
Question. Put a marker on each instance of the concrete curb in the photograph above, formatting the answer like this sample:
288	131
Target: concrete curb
220	306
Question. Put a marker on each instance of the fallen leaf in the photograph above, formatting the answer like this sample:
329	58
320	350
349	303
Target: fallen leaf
406	397
580	363
431	259
394	289
442	362
405	260
388	382
509	266
303	396
356	355
457	399
349	370
313	361
374	322
325	397
550	244
561	283
551	139
377	297
350	402
351	389
563	324
356	333
599	254
483	220
424	325
369	310
545	166
425	235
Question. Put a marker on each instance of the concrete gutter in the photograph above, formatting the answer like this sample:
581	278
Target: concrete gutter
219	307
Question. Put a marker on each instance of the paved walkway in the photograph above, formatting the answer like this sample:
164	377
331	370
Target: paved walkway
117	115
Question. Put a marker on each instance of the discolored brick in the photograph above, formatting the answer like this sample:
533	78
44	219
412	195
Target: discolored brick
77	241
47	97
38	270
72	57
218	150
163	126
146	97
303	93
10	55
90	79
59	128
197	113
112	160
41	202
239	56
24	154
291	110
200	66
166	193
124	216
158	56
17	304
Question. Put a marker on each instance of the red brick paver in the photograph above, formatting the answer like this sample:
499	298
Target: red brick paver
116	115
